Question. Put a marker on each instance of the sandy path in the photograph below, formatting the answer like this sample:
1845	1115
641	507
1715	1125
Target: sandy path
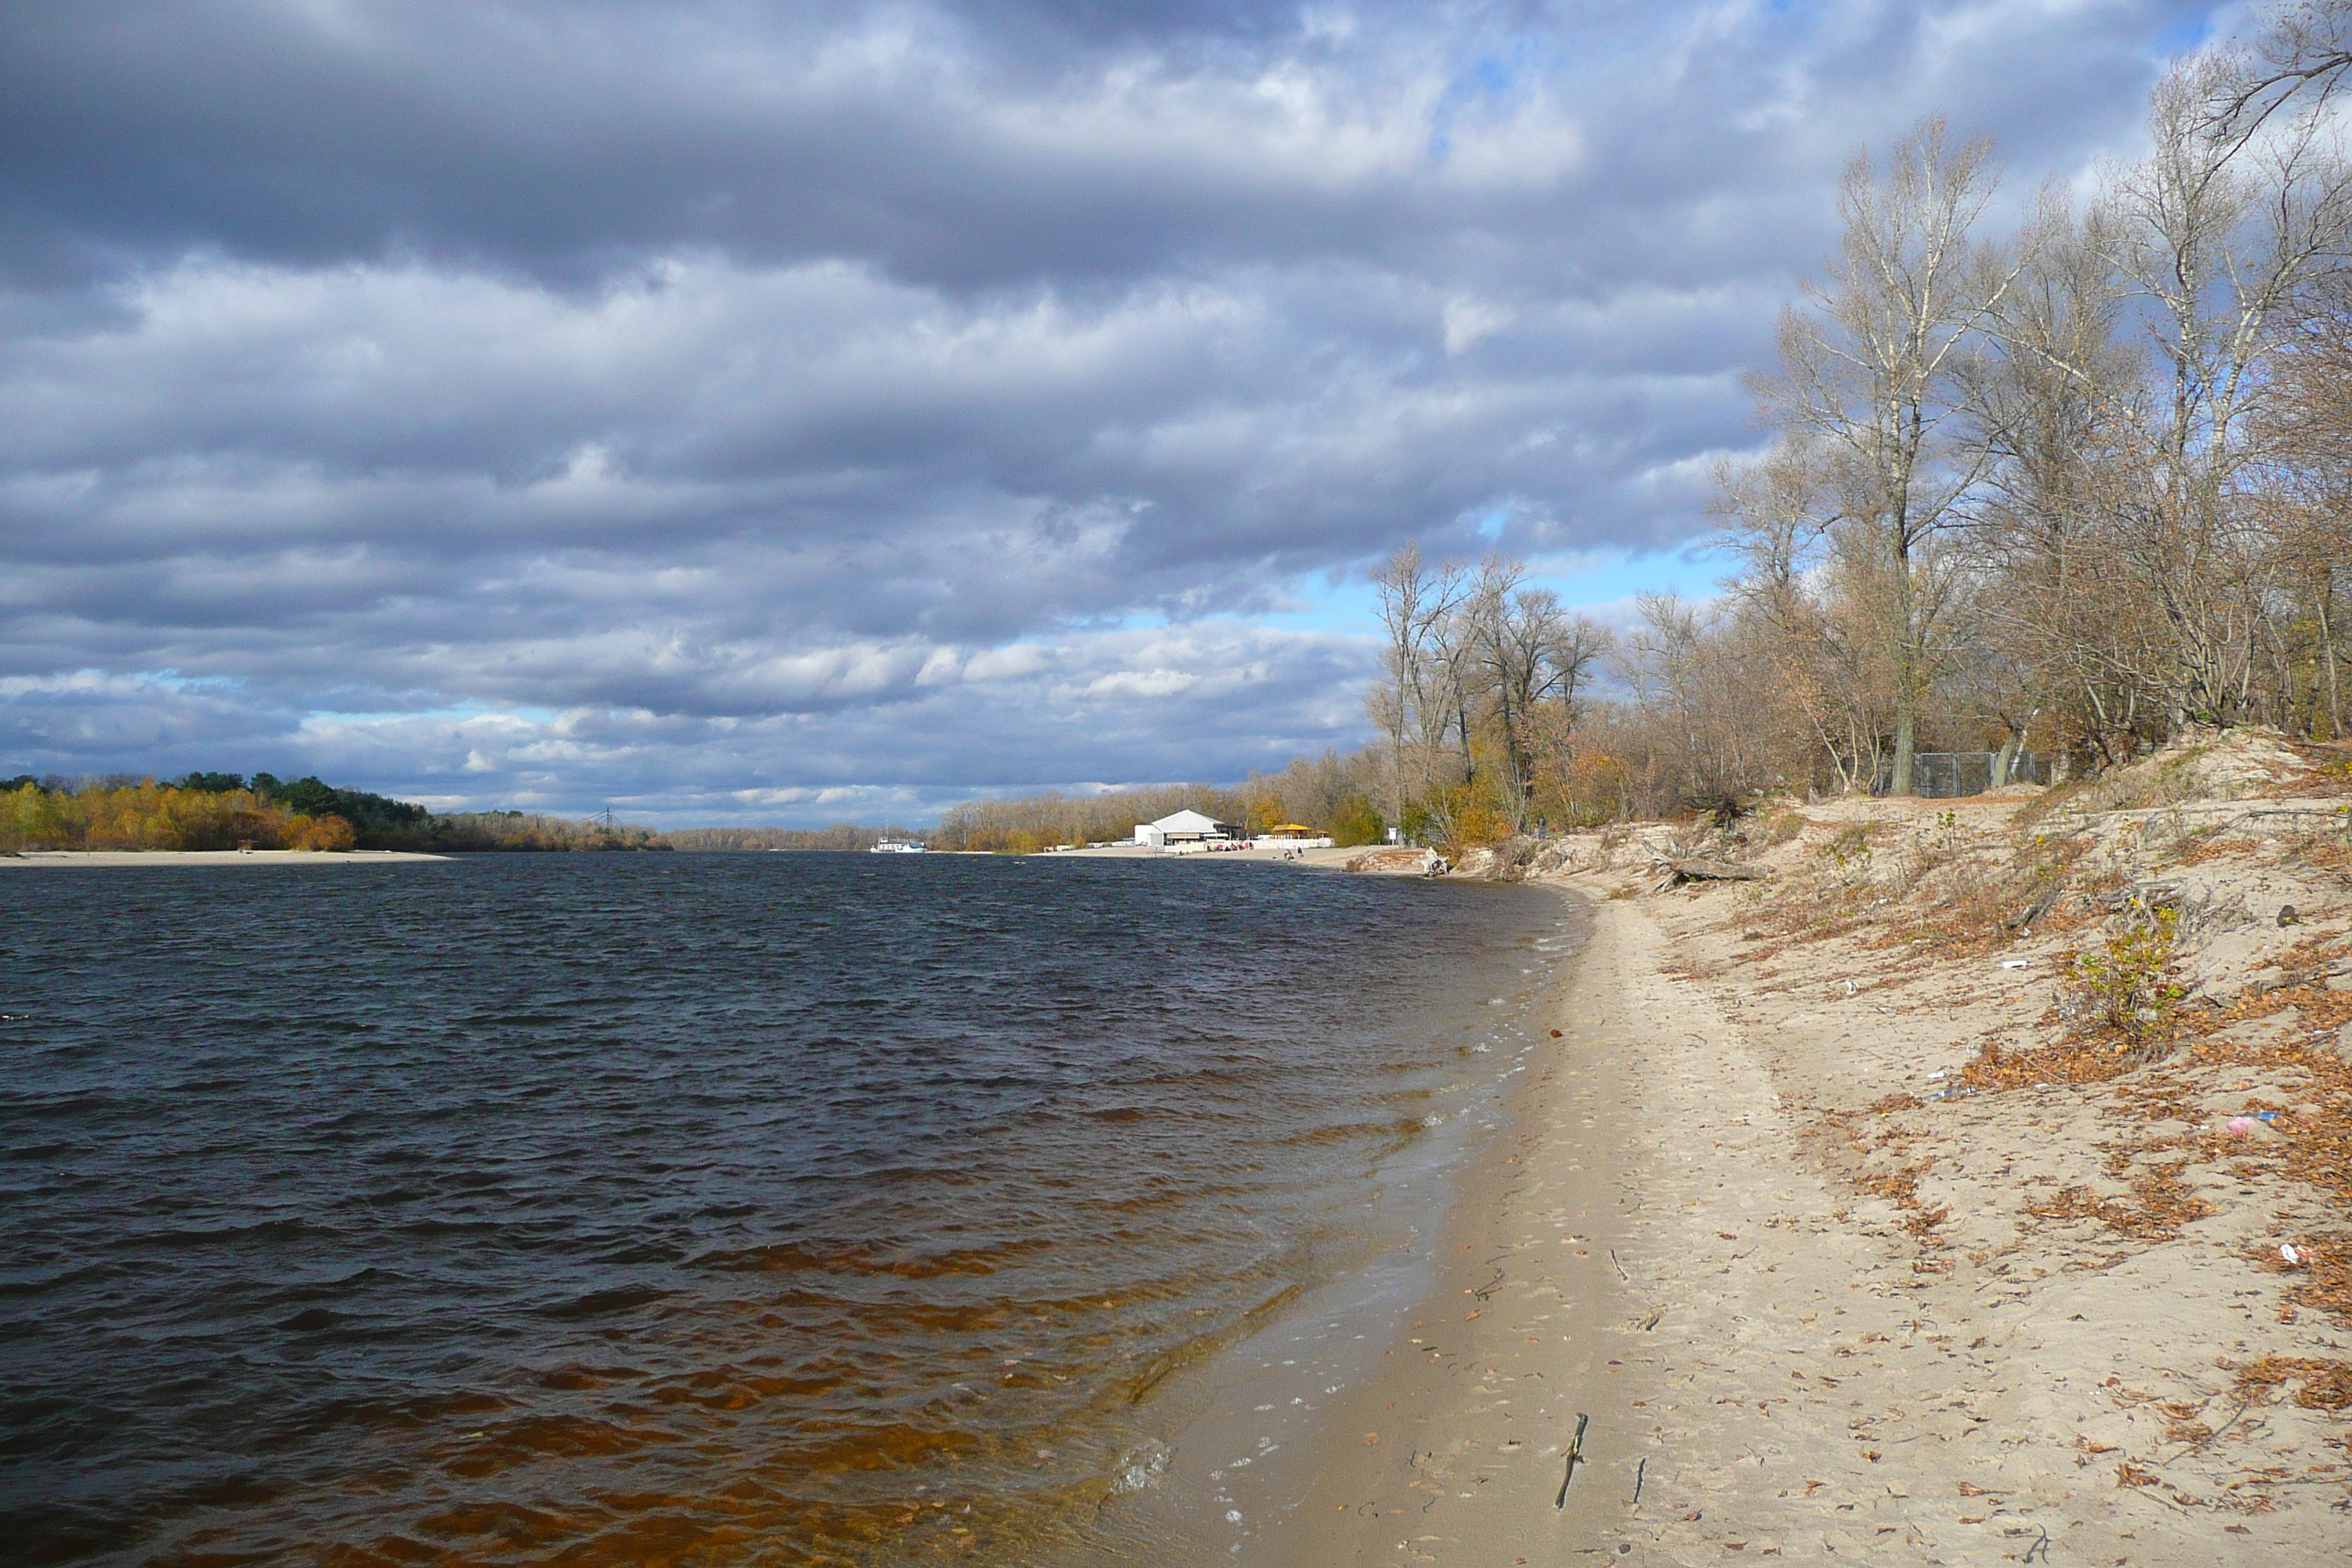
1826	1385
1807	1403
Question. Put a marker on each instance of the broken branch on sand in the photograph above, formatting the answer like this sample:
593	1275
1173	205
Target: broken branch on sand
1575	1452
1683	869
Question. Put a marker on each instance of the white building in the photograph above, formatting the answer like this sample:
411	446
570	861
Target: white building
1185	827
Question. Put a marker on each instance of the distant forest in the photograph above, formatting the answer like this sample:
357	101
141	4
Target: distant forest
228	810
841	836
1333	795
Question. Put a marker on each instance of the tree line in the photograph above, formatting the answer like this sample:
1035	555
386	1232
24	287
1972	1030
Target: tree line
228	811
2071	489
842	837
1331	793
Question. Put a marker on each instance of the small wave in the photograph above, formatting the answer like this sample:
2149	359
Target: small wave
605	1303
872	1260
310	1320
1142	1467
687	1250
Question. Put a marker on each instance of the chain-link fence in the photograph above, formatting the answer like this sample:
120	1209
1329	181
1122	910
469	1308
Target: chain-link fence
1940	775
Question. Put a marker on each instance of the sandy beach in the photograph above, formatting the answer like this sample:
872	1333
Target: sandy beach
1819	1219
1775	1363
164	857
1813	1311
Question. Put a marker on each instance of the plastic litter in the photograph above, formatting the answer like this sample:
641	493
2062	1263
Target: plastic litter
2293	1255
2016	963
2242	1126
2267	1115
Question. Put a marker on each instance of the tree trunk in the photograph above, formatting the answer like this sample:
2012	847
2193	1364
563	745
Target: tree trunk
2005	759
2327	651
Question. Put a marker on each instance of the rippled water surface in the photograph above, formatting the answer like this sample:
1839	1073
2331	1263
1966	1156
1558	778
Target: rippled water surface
696	1209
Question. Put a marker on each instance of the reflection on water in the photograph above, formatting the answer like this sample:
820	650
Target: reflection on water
706	1209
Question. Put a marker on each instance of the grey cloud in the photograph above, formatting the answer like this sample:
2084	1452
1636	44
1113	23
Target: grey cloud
732	383
914	727
981	148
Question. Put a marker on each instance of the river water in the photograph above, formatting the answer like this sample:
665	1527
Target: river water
698	1209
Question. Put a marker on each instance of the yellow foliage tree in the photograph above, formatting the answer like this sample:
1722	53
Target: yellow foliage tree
149	816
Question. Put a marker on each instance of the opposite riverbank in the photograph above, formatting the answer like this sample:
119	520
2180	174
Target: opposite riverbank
57	858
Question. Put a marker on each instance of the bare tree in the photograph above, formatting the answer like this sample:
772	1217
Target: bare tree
1531	653
2044	408
2216	231
2305	434
2301	56
1873	374
1413	703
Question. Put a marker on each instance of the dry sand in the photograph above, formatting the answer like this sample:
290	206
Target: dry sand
1814	1314
153	858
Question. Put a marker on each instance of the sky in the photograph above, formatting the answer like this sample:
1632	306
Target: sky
743	412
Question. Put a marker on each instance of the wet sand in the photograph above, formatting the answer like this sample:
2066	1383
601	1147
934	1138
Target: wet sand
1442	1385
1454	1448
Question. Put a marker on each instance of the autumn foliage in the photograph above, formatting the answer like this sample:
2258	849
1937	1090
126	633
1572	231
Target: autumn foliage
149	816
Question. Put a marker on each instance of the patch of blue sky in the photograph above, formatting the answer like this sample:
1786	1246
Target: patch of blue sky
1591	580
2189	32
171	679
1490	80
451	711
1348	607
1605	577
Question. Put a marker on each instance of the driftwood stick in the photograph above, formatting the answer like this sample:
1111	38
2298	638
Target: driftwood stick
1692	870
1575	1452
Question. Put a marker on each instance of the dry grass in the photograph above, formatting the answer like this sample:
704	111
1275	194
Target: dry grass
2164	1204
2330	770
1770	829
2324	1384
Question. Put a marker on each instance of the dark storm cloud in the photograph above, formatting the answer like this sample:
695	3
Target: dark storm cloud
673	402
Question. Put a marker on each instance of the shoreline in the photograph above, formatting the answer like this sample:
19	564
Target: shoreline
53	858
1778	1358
1878	1317
1322	859
1454	1449
1445	1377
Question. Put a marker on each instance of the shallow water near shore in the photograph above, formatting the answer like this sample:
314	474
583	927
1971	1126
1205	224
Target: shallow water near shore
707	1208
